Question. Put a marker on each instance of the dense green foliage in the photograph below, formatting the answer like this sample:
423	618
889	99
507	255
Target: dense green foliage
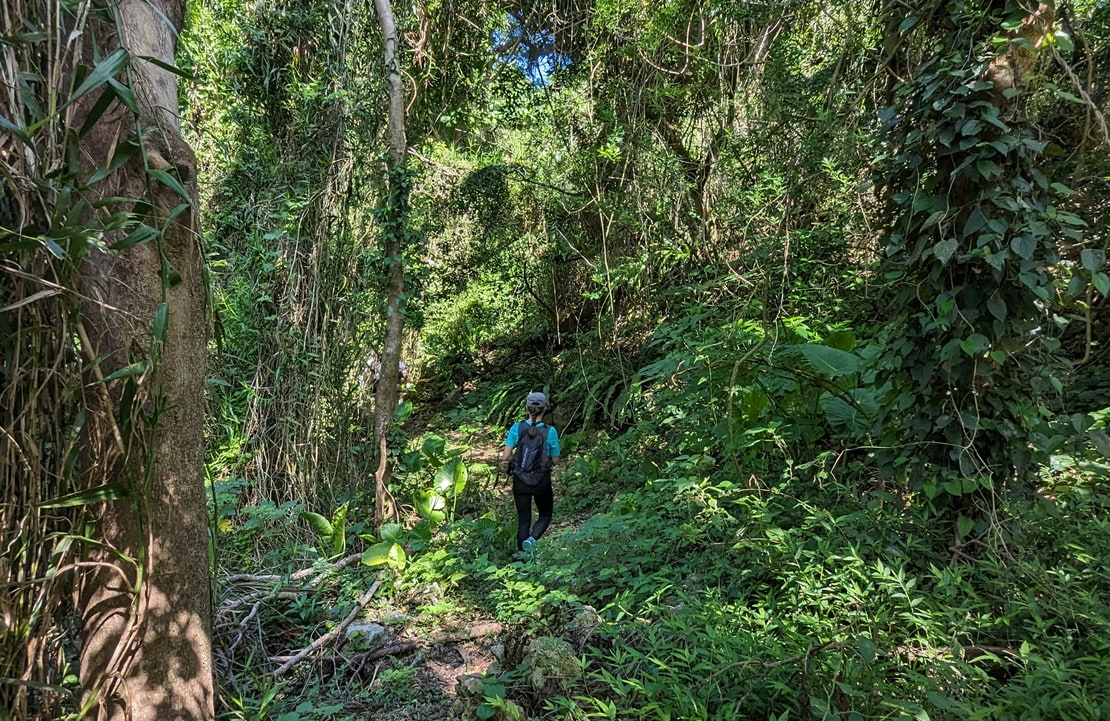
819	298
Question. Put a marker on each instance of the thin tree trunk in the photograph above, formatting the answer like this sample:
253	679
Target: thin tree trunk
394	219
146	605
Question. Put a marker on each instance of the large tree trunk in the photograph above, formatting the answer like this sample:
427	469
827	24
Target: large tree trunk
146	603
393	221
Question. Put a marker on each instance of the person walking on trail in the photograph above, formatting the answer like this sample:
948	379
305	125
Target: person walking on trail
531	449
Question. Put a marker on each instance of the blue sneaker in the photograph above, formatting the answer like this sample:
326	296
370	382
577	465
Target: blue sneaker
529	544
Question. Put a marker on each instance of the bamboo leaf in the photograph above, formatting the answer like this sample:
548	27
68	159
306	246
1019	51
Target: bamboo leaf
143	234
30	299
15	130
125	95
166	66
161	320
170	182
124	152
135	369
99	494
105	70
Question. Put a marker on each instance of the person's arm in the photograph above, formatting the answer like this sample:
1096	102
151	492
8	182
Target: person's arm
553	446
507	451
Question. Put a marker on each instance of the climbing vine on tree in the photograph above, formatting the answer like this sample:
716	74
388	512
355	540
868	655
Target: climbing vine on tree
977	243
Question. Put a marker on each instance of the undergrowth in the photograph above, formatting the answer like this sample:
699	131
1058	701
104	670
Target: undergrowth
714	559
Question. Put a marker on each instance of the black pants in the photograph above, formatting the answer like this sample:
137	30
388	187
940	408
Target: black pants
545	501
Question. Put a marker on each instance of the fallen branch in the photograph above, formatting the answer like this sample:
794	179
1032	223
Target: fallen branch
332	634
396	649
295	576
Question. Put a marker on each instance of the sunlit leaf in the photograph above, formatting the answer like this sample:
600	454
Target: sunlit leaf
320	524
392	532
430	505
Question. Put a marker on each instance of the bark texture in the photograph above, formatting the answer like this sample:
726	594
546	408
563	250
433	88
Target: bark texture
393	223
146	639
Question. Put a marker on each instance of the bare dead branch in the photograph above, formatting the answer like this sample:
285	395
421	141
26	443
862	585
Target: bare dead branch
333	634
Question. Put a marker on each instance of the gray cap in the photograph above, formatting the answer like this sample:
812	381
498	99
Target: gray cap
536	401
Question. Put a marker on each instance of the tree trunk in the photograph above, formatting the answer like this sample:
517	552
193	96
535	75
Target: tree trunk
146	601
393	220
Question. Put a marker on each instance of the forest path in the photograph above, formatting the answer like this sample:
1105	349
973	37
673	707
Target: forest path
433	674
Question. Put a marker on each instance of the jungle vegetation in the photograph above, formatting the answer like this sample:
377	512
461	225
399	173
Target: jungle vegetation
818	290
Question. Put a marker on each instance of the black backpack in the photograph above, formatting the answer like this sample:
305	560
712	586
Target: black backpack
531	464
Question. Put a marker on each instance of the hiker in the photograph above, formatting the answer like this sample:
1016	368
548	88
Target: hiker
531	449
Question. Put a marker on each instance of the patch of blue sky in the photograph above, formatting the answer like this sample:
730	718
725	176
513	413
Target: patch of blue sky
533	52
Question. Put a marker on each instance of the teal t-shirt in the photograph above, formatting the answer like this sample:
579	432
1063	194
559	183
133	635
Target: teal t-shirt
552	438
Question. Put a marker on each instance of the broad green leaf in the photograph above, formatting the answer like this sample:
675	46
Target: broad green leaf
997	308
975	344
832	362
339	534
430	505
402	412
1093	259
975	222
853	413
1024	245
934	218
1101	283
318	523
988	168
944	249
433	446
445	476
844	340
392	532
1063	41
1100	440
461	477
385	553
964	526
866	649
451	478
1081	422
